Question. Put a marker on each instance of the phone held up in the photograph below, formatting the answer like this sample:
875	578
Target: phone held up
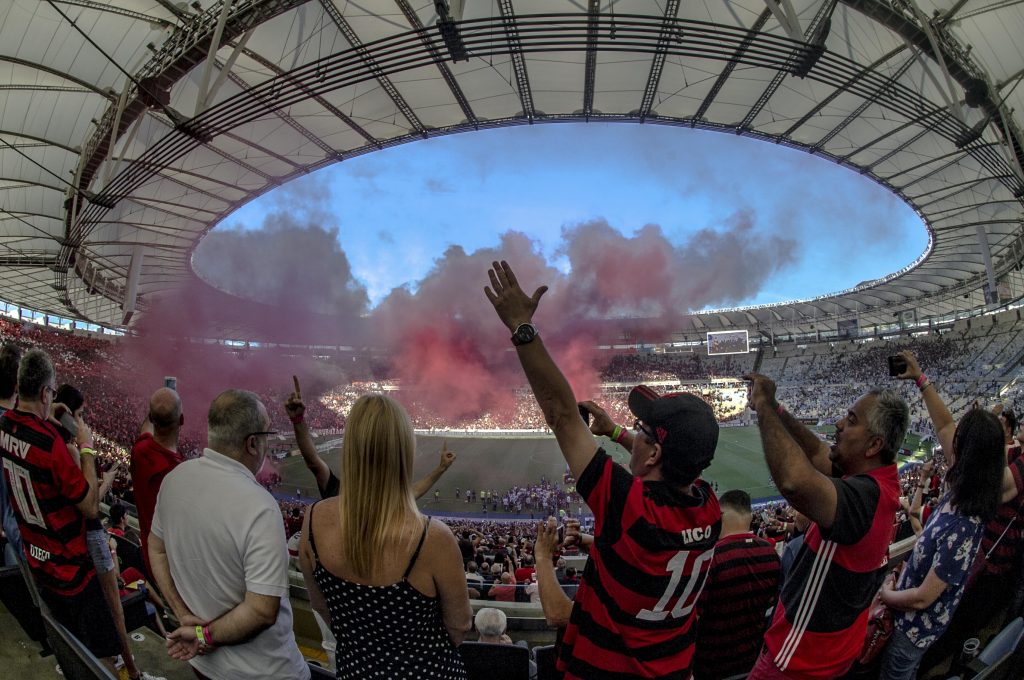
585	414
897	365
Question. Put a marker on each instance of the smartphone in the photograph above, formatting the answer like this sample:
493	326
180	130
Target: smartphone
585	414
561	533
897	365
171	382
67	421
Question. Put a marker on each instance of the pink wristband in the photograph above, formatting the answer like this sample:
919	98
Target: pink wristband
297	419
779	409
920	380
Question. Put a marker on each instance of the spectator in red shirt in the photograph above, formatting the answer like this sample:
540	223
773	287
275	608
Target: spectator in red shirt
154	455
506	590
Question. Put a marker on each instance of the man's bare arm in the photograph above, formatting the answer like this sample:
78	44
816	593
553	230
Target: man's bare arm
162	574
550	388
424	485
553	600
811	444
805	487
296	410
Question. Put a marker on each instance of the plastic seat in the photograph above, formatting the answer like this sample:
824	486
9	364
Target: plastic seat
488	661
1003	644
545	659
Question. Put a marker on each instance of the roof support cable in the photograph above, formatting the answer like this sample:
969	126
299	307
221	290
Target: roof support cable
31	160
166	109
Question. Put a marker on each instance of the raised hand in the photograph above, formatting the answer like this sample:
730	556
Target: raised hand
547	540
762	391
602	423
293	406
447	457
513	305
913	371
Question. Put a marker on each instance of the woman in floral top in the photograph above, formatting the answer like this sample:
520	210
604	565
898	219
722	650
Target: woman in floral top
935	575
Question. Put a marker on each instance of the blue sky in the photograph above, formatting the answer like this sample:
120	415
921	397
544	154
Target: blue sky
398	210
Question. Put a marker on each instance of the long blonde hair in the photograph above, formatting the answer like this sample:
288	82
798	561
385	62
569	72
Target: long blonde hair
376	486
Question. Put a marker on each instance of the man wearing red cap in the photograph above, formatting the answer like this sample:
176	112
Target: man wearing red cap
655	525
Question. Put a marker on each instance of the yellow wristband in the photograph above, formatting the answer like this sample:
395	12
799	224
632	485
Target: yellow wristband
86	451
200	636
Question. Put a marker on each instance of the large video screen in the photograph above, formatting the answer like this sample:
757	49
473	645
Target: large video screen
728	342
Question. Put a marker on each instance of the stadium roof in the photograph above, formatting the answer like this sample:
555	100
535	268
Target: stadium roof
122	136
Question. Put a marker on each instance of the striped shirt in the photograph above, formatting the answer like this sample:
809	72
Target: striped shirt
1002	540
742	586
45	484
634	612
821	618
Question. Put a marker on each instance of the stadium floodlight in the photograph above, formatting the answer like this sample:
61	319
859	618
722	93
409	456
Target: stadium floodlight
449	14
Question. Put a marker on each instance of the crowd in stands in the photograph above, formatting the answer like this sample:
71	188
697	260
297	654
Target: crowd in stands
365	542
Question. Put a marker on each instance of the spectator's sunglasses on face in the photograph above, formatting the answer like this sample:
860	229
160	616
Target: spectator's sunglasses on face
639	426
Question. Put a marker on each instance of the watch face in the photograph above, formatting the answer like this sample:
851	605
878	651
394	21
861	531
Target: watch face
524	334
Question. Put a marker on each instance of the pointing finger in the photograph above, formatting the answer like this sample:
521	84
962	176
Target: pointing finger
298	390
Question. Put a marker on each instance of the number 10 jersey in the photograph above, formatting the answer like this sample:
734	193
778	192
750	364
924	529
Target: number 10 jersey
635	611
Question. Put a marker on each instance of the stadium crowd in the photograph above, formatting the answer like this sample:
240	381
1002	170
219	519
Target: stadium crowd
685	573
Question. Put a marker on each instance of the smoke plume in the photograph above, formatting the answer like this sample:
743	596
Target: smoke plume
440	336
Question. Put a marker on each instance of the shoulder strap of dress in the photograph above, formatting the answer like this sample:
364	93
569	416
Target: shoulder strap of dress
416	554
312	543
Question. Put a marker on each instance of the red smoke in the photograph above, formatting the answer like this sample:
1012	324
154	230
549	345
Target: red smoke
441	338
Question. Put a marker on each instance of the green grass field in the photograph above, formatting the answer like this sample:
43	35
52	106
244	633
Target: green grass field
493	463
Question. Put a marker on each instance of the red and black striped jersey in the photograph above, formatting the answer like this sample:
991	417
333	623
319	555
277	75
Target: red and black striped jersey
634	612
742	585
45	484
1003	537
820	621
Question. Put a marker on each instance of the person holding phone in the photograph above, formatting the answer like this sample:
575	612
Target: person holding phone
850	492
933	581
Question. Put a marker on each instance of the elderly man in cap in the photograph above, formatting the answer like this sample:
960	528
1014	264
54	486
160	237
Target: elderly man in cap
655	525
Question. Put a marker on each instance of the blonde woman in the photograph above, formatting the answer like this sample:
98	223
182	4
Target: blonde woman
388	580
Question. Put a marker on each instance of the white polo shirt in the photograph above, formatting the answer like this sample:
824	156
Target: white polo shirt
224	535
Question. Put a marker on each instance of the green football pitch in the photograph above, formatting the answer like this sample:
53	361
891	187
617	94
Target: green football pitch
500	463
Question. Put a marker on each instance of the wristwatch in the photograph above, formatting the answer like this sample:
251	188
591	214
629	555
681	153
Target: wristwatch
524	333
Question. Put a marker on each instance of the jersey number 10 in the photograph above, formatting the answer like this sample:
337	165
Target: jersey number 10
688	598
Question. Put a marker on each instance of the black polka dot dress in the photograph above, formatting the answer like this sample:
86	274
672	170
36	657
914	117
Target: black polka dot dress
391	632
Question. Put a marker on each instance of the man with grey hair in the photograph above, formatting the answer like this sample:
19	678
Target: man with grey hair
850	493
219	555
490	626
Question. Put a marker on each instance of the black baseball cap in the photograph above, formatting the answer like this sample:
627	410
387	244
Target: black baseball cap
685	426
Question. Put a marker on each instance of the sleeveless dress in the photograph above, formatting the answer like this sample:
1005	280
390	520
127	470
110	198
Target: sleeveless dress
393	632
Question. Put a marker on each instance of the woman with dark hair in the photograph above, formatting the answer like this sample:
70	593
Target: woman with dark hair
934	577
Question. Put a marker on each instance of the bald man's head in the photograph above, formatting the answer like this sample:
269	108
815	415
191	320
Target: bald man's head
165	411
